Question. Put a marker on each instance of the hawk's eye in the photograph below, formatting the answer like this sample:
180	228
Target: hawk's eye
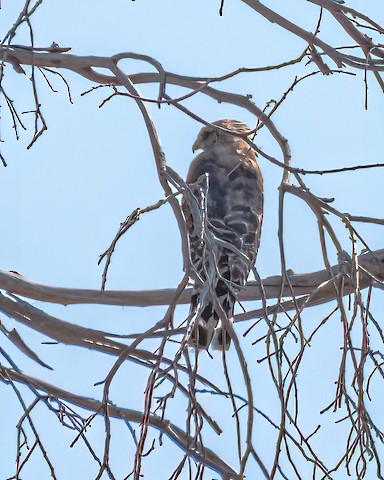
204	136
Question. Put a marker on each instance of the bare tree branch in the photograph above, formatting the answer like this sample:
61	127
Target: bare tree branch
302	284
175	434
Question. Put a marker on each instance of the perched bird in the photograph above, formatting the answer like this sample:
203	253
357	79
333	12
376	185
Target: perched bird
223	212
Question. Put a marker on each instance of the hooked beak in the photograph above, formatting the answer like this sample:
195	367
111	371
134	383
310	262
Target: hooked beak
196	146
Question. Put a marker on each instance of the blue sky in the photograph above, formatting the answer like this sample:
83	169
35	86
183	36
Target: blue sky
63	199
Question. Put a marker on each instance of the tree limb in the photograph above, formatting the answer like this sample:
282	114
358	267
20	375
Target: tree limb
177	435
303	284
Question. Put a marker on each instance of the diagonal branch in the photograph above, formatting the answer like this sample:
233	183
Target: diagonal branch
175	434
339	58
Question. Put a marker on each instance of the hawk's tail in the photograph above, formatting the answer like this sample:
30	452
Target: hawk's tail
208	327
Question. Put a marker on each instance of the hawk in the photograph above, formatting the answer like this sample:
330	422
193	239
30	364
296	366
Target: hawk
223	208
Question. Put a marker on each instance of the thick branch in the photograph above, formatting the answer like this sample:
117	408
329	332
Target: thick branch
303	284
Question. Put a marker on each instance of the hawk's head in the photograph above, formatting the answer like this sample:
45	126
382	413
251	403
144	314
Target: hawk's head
209	136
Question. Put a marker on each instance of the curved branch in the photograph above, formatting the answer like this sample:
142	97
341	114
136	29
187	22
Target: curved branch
199	453
85	65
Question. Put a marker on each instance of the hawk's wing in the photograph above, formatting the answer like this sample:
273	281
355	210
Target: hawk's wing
229	189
